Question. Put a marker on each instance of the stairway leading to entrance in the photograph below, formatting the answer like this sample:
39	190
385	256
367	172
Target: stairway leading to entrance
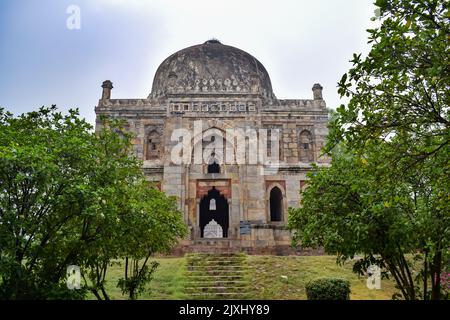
216	276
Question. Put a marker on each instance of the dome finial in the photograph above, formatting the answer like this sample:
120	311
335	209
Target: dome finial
213	40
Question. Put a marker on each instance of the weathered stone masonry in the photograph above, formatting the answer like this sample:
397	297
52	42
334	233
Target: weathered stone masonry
224	87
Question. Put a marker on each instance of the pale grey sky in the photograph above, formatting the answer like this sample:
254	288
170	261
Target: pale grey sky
299	42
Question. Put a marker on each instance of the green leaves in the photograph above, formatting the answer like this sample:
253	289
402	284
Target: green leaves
328	289
71	196
387	191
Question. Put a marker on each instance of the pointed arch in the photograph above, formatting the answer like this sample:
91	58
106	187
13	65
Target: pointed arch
278	133
276	204
153	145
306	146
213	164
212	150
219	212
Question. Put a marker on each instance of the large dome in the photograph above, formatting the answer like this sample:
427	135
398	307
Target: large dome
211	68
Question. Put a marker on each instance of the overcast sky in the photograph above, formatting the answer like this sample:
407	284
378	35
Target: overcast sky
42	62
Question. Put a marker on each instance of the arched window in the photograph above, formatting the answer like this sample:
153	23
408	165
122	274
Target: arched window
271	135
213	166
213	149
276	204
306	153
153	146
212	205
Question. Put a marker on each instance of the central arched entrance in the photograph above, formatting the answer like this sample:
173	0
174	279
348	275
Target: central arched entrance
214	209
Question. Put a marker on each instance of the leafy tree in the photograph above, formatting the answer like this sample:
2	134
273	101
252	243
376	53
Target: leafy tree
387	193
69	196
349	209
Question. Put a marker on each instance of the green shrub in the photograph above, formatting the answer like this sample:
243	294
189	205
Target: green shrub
328	289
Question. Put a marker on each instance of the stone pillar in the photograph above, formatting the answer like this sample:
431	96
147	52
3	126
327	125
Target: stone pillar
107	86
317	91
196	226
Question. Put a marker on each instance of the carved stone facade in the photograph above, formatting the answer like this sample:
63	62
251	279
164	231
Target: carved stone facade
242	206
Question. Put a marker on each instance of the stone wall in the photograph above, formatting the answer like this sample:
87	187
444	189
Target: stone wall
246	186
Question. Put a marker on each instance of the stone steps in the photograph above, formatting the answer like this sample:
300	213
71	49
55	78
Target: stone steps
216	271
217	283
222	296
216	266
215	289
216	276
218	263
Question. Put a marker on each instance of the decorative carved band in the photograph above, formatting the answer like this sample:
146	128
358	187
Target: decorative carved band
223	186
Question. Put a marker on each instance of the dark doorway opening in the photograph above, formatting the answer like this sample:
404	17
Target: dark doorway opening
276	204
214	167
214	206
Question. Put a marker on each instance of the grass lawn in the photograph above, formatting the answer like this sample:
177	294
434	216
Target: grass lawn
267	283
265	278
167	283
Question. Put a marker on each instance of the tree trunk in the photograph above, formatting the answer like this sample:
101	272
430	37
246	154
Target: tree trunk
96	294
437	264
425	276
